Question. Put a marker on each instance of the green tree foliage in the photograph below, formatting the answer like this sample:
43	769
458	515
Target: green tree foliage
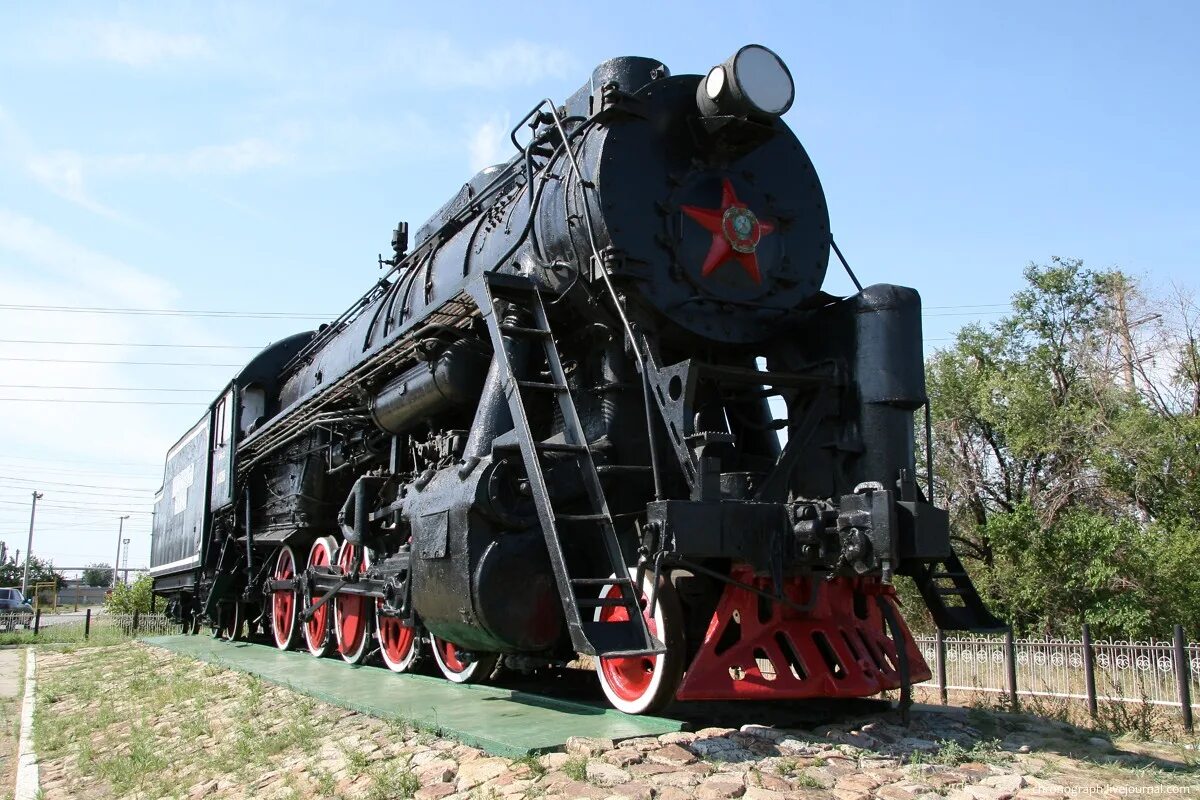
98	575
39	572
131	597
1067	439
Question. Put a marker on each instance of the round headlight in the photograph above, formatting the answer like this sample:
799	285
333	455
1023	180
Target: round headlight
752	82
764	79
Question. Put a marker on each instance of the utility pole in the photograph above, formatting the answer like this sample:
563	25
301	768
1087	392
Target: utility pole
29	545
117	560
125	563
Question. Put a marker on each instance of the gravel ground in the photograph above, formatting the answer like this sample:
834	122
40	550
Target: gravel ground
139	723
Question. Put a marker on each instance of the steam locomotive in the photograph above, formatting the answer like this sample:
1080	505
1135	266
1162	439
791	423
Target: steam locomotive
599	406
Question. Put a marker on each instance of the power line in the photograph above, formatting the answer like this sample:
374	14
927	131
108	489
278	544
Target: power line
166	312
39	482
80	507
118	361
134	344
104	461
103	402
105	388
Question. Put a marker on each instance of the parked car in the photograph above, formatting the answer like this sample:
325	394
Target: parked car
14	609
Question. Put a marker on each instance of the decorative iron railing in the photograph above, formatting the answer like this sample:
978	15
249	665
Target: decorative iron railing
1163	673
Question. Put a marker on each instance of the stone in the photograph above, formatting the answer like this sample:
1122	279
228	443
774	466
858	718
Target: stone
766	780
481	770
672	755
645	770
789	744
440	771
605	774
677	737
1008	783
721	785
575	789
821	776
553	761
895	791
634	790
642	743
202	790
715	744
671	793
582	746
1100	743
710	733
425	757
763	732
860	781
677	778
980	792
434	791
759	793
915	745
623	756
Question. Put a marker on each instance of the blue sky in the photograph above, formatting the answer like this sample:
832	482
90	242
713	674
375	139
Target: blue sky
254	157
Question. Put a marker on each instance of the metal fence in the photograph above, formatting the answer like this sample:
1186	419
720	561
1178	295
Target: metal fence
81	626
1154	672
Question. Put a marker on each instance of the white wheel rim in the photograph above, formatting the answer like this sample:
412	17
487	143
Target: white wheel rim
403	664
356	656
320	646
461	676
643	701
285	642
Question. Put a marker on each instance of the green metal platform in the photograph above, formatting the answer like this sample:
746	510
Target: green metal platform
501	721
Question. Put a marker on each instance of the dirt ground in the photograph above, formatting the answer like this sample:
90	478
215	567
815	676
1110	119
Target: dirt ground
136	722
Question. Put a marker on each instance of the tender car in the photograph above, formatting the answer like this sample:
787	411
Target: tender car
14	609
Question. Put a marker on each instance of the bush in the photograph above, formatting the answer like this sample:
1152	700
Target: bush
128	598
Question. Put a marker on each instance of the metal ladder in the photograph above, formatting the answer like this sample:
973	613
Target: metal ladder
972	615
612	638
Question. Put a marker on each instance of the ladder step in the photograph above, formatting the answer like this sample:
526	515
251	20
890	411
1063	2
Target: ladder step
581	517
601	581
603	602
542	386
634	653
628	637
558	447
948	591
518	330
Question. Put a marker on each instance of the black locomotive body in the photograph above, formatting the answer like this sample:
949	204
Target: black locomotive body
553	428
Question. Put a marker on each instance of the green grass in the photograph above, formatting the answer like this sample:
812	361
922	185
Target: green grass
575	768
103	710
533	764
392	781
952	754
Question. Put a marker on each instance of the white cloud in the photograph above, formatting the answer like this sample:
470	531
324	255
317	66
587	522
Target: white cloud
227	159
41	266
67	172
123	43
62	174
438	62
489	144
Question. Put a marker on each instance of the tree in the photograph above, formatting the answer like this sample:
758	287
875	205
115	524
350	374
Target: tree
11	574
131	597
1067	442
98	575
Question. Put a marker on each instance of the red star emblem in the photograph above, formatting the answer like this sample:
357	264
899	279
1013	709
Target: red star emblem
735	233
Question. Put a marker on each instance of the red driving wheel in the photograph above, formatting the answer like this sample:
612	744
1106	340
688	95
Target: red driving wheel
283	602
